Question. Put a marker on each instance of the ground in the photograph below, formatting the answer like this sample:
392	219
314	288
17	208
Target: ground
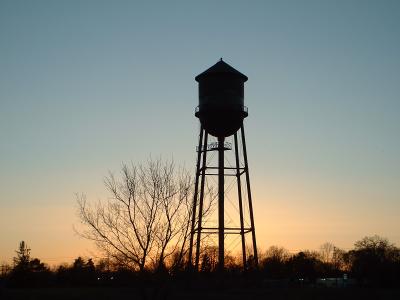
231	294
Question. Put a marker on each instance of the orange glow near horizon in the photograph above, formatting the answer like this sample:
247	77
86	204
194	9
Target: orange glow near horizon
288	215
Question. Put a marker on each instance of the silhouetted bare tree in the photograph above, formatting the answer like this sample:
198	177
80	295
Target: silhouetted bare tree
27	271
209	259
326	252
375	261
274	262
332	260
304	264
21	261
147	218
5	269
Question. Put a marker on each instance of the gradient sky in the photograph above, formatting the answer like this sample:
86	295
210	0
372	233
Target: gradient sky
87	85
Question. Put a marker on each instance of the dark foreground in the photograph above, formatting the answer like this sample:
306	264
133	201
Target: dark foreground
217	294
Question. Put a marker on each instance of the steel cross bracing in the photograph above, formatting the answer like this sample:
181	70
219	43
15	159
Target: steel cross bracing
197	228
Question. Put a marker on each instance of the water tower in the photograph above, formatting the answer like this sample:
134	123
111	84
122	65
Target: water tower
221	112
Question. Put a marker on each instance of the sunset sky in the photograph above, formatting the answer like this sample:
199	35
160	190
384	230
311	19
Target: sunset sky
88	85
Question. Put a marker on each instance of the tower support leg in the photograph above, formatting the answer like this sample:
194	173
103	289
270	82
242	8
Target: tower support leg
201	200
246	167
221	192
239	189
195	195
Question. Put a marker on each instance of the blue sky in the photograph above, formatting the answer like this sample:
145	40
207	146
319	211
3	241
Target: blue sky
87	85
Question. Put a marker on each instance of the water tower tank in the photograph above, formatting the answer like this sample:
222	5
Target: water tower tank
221	107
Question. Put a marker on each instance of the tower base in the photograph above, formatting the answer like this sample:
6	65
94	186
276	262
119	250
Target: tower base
199	228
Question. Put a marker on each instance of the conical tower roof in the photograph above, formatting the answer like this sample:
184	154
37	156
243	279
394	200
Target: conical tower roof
220	68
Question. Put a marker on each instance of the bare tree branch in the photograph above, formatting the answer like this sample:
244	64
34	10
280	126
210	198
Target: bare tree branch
146	219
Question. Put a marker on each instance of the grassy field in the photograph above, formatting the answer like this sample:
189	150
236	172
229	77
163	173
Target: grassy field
169	293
